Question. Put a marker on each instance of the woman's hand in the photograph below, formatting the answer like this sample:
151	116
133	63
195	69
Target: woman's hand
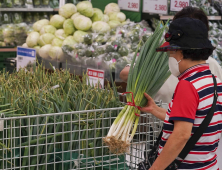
151	168
152	108
151	105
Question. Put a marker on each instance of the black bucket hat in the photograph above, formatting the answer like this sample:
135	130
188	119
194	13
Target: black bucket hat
186	33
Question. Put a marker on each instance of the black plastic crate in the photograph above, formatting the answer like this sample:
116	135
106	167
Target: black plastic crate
7	54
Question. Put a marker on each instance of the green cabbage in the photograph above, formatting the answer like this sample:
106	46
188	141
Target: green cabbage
111	7
117	16
75	15
2	44
100	27
8	30
37	26
56	53
48	29
125	22
79	36
32	39
70	41
25	45
85	8
45	39
114	24
105	18
9	40
68	27
57	21
57	42
44	51
67	10
88	39
82	23
60	34
37	48
98	15
123	51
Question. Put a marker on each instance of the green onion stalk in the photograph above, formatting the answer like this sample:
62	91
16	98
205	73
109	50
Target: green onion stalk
39	92
148	74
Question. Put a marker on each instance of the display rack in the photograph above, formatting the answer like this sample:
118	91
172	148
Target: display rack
8	49
27	9
166	17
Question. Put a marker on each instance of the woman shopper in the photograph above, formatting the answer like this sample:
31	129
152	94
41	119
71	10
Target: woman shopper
188	49
166	91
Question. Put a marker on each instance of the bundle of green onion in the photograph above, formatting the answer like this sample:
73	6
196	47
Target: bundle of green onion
148	75
40	92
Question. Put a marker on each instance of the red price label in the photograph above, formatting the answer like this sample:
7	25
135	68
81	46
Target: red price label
160	7
95	76
129	5
181	4
177	5
155	6
133	5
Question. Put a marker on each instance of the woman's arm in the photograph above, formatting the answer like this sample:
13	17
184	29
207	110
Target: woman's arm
152	108
174	145
124	73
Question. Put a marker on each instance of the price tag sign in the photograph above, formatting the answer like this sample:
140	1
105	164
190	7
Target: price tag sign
61	3
25	58
129	5
177	5
155	6
95	77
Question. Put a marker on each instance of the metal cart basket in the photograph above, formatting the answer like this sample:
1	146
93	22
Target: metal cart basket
70	141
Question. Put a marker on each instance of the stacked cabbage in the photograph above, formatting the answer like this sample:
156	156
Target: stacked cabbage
13	34
69	27
113	49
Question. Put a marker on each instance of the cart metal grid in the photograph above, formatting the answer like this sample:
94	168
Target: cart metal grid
70	141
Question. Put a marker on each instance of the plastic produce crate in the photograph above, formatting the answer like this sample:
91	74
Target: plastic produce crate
71	140
6	52
9	54
4	56
8	65
48	64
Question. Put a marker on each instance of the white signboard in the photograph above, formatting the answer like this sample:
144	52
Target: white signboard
95	77
177	5
25	57
155	6
61	3
129	5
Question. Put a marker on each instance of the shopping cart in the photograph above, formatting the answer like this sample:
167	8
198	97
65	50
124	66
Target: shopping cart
71	140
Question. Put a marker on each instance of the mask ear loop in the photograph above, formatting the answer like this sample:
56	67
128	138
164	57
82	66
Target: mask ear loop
180	60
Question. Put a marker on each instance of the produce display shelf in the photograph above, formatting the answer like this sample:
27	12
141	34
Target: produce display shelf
166	17
8	49
27	9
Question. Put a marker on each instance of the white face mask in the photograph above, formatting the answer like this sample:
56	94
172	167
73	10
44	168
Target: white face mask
174	66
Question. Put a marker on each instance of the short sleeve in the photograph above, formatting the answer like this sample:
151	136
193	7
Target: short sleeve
185	102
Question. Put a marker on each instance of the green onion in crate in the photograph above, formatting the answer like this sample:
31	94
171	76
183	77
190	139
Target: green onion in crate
148	75
38	93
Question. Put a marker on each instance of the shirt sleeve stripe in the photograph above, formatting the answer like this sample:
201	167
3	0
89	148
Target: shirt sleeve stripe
181	118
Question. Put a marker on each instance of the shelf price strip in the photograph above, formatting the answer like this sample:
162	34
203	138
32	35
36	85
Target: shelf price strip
155	6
